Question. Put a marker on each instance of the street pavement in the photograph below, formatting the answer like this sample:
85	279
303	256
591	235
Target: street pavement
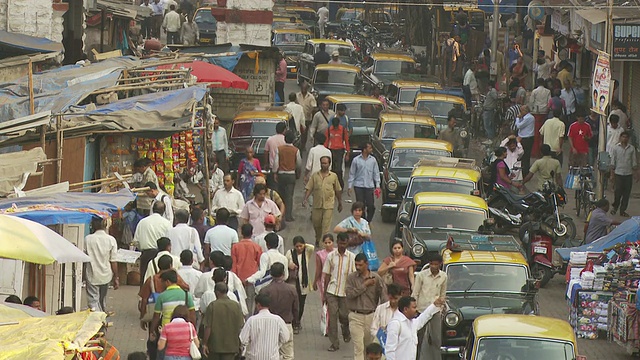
127	336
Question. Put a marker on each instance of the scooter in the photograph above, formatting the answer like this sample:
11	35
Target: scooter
538	238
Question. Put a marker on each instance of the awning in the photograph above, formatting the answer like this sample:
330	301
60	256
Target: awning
210	73
24	44
593	16
14	165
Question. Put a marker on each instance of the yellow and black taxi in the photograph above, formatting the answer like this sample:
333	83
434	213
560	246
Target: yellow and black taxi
362	114
397	124
290	41
388	66
442	103
286	20
306	65
401	93
383	21
432	217
486	274
251	127
207	25
522	337
336	79
306	14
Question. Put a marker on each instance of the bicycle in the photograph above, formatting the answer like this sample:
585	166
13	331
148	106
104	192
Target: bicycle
585	195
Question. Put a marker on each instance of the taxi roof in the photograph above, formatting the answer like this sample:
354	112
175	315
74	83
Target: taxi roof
524	326
452	199
391	56
291	30
416	83
346	98
480	256
276	115
299	8
422	143
444	172
329	42
406	117
344	67
440	97
284	18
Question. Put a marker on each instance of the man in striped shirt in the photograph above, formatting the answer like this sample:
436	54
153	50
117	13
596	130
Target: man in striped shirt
339	264
264	333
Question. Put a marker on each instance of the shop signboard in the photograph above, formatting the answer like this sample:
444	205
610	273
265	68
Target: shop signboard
601	84
626	42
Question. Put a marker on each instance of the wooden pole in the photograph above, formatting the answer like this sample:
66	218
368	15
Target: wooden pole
204	145
43	144
32	104
59	144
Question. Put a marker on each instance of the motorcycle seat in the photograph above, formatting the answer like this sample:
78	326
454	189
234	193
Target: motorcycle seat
515	198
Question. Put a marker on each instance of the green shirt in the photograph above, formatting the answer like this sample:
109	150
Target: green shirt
224	318
169	299
543	168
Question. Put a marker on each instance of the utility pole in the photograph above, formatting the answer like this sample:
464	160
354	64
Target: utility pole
494	37
602	136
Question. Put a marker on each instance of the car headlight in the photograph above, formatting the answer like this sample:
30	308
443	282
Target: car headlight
385	156
463	133
417	250
452	319
392	185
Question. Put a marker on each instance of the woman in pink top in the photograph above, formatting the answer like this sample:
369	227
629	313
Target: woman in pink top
176	336
248	169
321	257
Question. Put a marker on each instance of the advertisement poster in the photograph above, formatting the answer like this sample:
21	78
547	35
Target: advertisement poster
601	84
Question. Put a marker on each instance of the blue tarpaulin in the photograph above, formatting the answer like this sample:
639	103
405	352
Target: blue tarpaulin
228	62
28	44
628	231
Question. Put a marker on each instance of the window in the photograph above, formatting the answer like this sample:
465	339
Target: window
363	111
407	95
407	158
435	184
404	130
449	217
335	77
524	349
393	67
486	277
307	15
437	107
290	39
257	128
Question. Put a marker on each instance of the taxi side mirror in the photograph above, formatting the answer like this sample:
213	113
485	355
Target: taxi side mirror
404	219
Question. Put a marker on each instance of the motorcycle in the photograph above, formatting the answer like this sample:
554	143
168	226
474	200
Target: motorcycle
511	211
537	238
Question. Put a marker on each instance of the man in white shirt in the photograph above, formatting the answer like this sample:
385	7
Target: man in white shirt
430	285
384	312
220	237
539	99
569	97
164	248
264	332
313	158
148	231
184	237
161	196
309	104
613	132
102	249
470	81
229	198
171	25
323	18
220	145
321	120
402	330
262	277
190	275
207	282
209	296
297	111
269	228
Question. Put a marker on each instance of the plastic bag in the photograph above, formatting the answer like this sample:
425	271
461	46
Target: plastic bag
324	320
381	335
369	249
572	182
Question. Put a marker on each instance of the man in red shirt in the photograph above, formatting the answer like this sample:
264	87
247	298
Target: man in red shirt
246	260
579	135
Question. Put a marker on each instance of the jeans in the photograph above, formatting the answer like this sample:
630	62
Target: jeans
97	296
622	192
175	357
286	187
365	195
487	118
173	37
280	92
337	159
221	157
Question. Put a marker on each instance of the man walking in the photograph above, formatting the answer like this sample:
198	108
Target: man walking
264	332
160	196
552	132
223	322
171	25
525	125
470	85
579	136
321	121
430	285
384	312
230	199
164	248
102	249
364	177
402	331
284	303
489	109
184	237
296	111
246	257
263	277
157	12
338	141
539	107
281	77
190	275
271	148
547	168
323	18
256	209
325	187
148	231
452	135
623	165
269	228
220	237
337	267
365	290
314	156
171	297
309	104
189	31
220	145
287	168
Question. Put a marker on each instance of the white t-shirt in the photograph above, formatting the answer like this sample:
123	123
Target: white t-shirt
102	249
259	239
220	238
184	237
168	206
323	15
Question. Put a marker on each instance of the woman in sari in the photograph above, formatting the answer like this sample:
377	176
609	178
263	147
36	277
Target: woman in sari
299	260
247	170
356	226
399	265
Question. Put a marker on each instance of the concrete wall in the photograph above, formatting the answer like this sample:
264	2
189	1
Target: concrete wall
254	34
41	18
261	88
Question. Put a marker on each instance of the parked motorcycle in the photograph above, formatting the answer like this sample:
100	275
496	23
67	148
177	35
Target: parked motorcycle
511	211
537	238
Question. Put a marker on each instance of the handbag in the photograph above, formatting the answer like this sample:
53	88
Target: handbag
194	352
387	278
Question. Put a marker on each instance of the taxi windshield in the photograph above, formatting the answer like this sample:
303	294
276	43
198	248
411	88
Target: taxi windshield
335	77
449	217
204	16
290	39
393	67
439	184
349	15
524	349
306	15
486	277
407	158
261	128
437	107
407	95
408	130
363	110
344	51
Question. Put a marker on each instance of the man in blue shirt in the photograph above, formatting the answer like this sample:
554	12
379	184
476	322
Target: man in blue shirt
364	177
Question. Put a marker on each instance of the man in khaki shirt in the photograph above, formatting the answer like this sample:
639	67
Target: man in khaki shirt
552	132
365	290
430	284
547	168
325	187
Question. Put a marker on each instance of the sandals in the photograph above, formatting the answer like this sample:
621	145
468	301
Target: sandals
333	348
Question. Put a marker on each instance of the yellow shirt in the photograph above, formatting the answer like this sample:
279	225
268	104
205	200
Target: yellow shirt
565	78
552	130
543	168
323	189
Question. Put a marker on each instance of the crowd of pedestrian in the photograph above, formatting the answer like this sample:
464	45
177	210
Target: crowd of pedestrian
171	18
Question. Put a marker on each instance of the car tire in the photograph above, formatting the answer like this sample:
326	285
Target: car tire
388	215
